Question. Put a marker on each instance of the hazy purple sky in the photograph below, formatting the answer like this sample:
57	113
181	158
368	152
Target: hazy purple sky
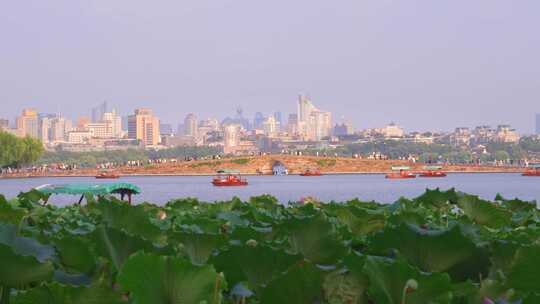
423	64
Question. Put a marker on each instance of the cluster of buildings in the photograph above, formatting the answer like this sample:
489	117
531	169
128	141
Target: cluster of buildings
309	127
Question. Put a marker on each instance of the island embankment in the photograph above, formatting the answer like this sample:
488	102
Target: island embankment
252	165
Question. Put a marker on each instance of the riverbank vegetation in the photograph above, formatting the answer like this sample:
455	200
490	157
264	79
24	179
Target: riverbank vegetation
16	152
527	148
441	247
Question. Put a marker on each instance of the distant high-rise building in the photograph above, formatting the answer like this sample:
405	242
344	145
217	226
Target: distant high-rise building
231	137
114	122
292	124
190	125
165	129
258	121
4	123
144	126
319	125
82	122
313	124
537	129
58	129
27	123
97	112
278	116
506	134
269	126
343	129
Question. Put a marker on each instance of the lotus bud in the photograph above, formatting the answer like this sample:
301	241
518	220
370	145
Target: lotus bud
487	300
411	285
251	243
162	215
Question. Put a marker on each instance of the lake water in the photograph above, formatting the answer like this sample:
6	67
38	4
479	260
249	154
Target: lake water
160	189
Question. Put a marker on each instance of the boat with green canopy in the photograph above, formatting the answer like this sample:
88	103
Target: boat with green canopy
400	172
124	189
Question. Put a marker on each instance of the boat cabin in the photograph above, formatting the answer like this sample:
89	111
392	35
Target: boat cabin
229	178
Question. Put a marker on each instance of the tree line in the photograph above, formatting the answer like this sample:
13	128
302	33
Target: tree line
17	152
90	159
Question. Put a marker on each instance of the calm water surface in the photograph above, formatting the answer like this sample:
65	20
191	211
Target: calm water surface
159	189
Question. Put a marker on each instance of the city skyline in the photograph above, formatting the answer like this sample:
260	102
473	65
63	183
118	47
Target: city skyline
371	61
106	108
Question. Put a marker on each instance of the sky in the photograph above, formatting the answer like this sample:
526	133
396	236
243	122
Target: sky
424	64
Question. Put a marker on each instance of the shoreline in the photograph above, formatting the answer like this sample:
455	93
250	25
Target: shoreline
263	165
244	174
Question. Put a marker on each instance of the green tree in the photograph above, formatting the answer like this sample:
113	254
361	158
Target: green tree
19	151
502	155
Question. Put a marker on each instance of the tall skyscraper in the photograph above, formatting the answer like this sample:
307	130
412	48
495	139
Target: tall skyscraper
313	124
27	123
231	136
537	129
97	112
319	125
258	121
279	120
269	126
292	124
190	125
114	122
144	126
58	129
44	129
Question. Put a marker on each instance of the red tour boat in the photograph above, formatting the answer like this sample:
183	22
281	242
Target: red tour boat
107	174
534	170
432	171
400	173
309	172
229	178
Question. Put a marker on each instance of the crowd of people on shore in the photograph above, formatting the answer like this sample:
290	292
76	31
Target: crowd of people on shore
62	167
41	169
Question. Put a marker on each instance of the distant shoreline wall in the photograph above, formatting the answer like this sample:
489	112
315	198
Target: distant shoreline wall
255	165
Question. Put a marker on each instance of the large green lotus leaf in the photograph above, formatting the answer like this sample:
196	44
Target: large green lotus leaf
388	279
264	201
437	199
19	270
315	238
502	255
55	293
75	254
153	279
516	204
117	246
33	196
361	221
185	204
301	284
23	245
525	269
243	234
345	287
9	213
133	219
197	246
447	250
533	298
255	263
483	212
